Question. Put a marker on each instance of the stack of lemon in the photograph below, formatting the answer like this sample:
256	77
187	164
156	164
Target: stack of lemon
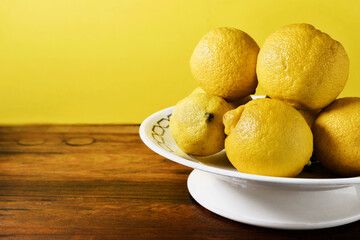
302	70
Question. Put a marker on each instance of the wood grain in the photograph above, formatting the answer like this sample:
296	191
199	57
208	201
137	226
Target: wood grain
102	182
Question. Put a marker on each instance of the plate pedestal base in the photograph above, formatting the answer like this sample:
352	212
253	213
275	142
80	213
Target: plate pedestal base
274	207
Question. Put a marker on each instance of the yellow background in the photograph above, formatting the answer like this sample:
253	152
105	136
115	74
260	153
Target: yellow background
117	61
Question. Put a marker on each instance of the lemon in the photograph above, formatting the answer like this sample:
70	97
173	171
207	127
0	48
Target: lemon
302	66
224	63
337	136
267	137
196	124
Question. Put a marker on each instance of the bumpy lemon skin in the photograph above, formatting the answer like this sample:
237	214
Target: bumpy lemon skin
271	138
196	124
224	63
302	66
337	137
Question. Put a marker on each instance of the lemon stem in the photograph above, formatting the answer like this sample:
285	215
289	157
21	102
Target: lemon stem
209	117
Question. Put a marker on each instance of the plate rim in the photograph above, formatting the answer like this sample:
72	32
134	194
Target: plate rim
234	174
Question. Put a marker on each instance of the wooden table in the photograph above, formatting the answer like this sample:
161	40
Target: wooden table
102	182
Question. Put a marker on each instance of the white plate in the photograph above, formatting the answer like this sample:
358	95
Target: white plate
312	200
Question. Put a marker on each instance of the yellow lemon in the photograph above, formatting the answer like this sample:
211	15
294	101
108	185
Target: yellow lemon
337	136
196	124
302	66
224	63
267	137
